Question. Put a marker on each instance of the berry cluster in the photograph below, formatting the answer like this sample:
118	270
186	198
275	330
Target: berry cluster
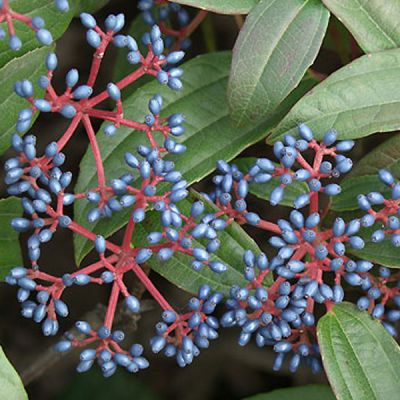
108	353
388	210
280	315
312	263
382	297
150	184
37	24
165	14
182	336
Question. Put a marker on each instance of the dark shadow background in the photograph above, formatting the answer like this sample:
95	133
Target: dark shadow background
225	371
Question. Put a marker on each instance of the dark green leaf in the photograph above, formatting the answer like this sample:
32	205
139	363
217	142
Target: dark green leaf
359	99
9	246
56	23
234	242
263	190
278	42
210	133
386	155
374	25
11	387
360	358
382	253
88	6
351	188
222	6
28	66
308	392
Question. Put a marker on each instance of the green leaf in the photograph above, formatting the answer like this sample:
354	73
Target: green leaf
11	387
56	22
263	190
9	245
351	188
88	6
374	25
386	155
360	358
210	134
221	6
31	66
307	392
357	100
234	242
278	42
382	253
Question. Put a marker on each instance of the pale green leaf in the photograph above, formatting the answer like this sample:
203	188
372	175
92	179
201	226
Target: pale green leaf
278	42
11	387
374	25
222	6
357	100
361	359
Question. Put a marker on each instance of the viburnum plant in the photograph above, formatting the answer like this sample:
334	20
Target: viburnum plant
333	241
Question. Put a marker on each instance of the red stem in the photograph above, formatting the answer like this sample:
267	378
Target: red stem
94	101
112	305
96	151
150	287
69	132
269	226
97	59
92	236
